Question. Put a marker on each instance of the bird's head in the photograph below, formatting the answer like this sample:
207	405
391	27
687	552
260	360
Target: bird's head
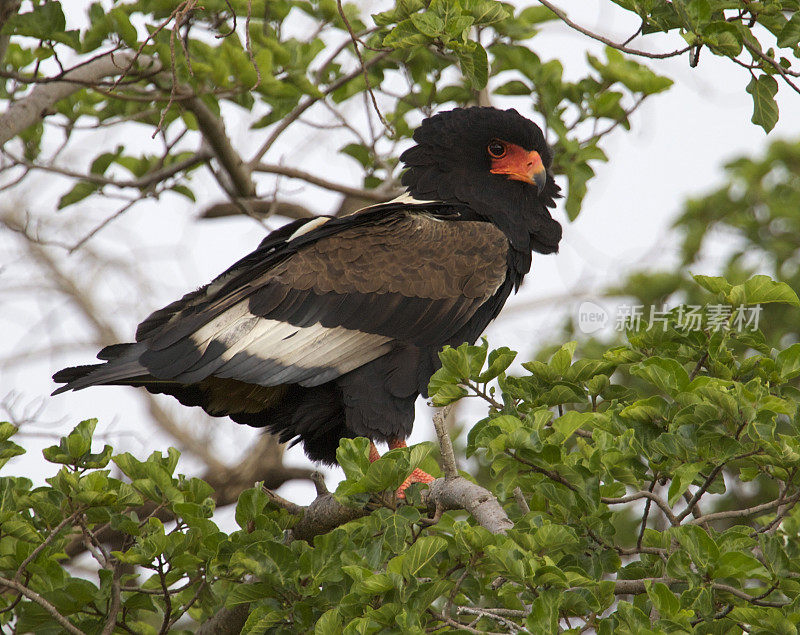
494	161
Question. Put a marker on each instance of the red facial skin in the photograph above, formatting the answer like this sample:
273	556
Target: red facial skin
517	163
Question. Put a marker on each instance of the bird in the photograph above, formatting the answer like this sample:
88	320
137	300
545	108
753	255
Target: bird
332	326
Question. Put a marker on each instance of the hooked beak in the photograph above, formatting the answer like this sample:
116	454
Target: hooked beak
521	165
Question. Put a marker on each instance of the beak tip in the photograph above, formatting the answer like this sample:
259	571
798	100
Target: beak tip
540	180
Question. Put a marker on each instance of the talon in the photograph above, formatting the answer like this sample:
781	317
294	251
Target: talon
417	476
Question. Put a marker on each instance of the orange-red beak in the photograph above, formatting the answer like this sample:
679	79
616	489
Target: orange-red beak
519	164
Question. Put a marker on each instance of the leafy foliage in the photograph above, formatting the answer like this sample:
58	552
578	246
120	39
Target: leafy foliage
619	471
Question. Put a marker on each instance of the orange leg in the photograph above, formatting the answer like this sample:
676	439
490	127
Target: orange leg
374	455
417	476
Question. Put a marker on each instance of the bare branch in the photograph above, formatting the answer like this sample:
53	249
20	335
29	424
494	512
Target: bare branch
600	38
258	207
145	181
637	587
307	103
377	195
445	444
35	597
459	493
662	504
214	133
226	622
748	511
38	104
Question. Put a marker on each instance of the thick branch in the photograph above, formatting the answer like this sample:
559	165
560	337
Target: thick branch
459	493
214	133
637	587
445	444
38	104
258	207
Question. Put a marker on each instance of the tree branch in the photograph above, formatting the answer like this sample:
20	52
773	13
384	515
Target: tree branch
38	104
143	182
258	207
298	110
214	133
377	195
595	36
445	444
35	597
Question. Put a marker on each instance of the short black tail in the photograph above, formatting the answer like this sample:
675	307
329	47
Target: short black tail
122	368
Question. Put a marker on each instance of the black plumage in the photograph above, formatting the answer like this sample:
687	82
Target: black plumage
332	326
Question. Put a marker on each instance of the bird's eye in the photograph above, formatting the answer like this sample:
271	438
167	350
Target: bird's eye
496	149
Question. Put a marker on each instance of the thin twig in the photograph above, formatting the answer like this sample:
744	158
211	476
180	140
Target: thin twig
645	514
68	520
353	38
662	504
620	47
307	103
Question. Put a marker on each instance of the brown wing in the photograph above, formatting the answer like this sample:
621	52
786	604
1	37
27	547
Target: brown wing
336	303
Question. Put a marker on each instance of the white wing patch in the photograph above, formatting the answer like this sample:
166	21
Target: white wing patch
408	199
307	227
271	352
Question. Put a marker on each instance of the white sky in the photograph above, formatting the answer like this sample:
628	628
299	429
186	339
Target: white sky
676	148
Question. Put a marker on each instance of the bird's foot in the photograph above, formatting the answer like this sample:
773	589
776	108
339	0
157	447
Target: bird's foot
417	476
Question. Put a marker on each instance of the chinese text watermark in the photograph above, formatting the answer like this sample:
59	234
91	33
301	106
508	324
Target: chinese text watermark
686	317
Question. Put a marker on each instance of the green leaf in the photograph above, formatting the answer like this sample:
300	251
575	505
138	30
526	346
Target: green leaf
790	33
683	477
448	394
421	554
474	64
662	598
665	373
353	457
428	24
763	290
765	108
405	35
499	360
329	624
79	191
514	87
723	38
561	359
736	564
485	11
715	284
788	362
634	76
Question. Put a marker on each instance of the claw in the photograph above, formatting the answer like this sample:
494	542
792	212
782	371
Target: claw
417	476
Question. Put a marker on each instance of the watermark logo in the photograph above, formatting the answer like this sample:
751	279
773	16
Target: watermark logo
591	317
685	317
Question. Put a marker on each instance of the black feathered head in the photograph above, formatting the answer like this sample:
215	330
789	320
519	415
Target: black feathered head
497	163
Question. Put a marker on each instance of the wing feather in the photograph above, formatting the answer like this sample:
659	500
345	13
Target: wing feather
328	298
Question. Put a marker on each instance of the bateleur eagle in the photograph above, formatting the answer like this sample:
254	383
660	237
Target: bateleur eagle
332	326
